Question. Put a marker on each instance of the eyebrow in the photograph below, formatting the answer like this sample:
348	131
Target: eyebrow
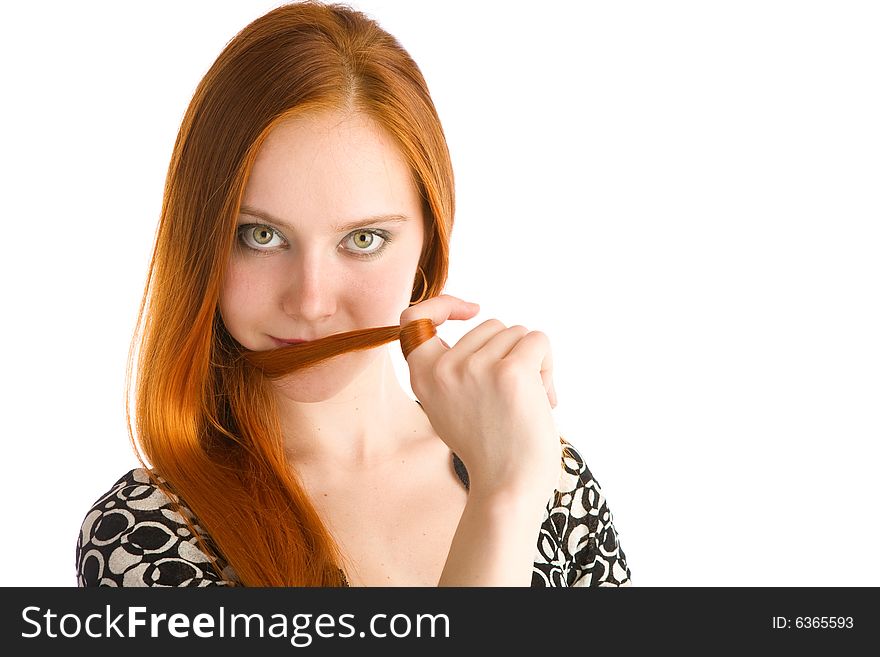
359	223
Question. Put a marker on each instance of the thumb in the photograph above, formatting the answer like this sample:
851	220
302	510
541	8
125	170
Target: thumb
437	309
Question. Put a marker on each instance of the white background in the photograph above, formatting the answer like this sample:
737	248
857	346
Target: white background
682	195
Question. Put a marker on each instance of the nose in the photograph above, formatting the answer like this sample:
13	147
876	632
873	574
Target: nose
310	295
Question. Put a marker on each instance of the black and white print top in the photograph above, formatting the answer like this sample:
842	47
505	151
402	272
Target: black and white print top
133	536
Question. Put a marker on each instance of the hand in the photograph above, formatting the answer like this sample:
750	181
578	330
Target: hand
489	398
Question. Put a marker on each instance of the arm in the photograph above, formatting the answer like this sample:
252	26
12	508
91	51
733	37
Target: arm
601	561
494	544
597	559
134	536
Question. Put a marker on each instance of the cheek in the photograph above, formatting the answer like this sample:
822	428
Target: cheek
235	295
385	290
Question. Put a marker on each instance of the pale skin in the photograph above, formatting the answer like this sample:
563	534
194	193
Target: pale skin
376	465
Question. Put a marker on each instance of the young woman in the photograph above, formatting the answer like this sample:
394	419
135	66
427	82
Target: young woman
306	222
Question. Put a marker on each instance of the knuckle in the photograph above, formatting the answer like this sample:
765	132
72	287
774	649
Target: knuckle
494	323
442	370
539	336
473	366
507	371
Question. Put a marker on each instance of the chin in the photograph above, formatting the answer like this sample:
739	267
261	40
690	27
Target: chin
325	380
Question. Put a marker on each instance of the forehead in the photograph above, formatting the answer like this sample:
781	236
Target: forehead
326	167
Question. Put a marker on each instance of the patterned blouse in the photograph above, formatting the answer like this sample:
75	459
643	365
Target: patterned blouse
133	536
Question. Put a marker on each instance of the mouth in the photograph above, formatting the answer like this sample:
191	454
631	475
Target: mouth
284	343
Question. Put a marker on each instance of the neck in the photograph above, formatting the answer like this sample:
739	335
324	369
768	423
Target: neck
365	424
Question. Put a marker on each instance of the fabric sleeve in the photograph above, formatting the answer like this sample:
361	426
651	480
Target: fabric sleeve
589	536
135	536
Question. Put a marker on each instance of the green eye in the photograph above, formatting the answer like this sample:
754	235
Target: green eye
363	238
368	243
262	234
257	236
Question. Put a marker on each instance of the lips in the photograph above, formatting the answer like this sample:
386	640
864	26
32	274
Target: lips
283	343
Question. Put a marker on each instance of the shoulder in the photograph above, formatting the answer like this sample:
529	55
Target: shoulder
584	526
576	476
136	534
